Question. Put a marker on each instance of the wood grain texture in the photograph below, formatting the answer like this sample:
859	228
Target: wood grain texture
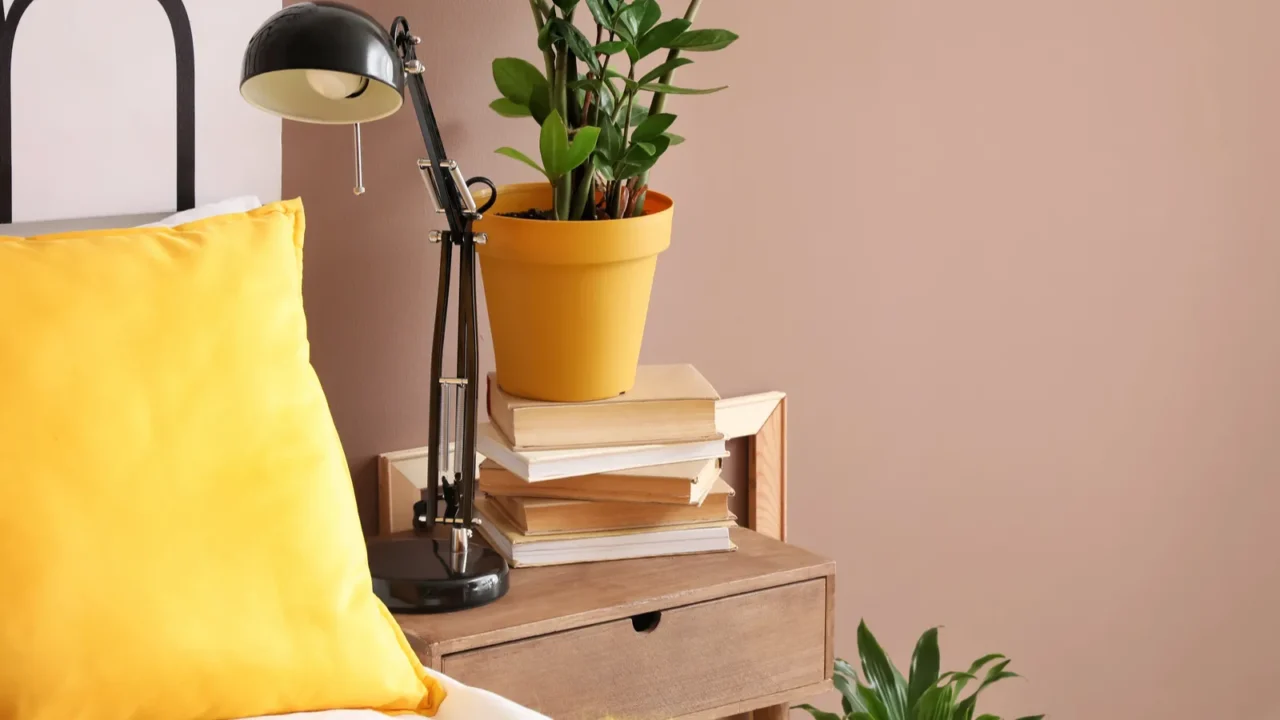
831	624
697	657
767	476
773	712
741	710
553	599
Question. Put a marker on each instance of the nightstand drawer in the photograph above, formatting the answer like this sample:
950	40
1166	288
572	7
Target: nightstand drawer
675	662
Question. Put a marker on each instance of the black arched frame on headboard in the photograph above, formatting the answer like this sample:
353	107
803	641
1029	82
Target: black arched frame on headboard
185	73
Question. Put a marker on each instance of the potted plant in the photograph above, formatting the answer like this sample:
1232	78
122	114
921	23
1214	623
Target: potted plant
884	694
569	263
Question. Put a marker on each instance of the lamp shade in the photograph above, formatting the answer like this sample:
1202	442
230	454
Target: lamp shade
323	62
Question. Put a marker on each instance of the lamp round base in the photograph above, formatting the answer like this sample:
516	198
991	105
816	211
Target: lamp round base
418	574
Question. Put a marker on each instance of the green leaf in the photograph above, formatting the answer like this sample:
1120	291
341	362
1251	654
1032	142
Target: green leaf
647	147
603	166
704	40
638	114
673	90
881	674
964	711
816	713
637	159
508	108
653	126
996	674
584	142
934	704
973	671
874	704
652	14
1032	717
545	36
578	43
989	716
554	145
952	677
848	688
611	47
518	79
844	668
662	69
609	143
860	716
628	20
661	36
602	11
540	105
673	138
516	154
566	6
924	666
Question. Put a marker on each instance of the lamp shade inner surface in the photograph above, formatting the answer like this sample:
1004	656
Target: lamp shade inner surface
323	63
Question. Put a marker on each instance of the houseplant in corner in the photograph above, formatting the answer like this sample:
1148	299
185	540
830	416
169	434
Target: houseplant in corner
569	263
926	694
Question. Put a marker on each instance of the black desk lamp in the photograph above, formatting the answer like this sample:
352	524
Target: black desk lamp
325	62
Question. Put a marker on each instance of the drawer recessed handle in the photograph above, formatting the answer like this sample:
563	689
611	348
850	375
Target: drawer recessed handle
646	622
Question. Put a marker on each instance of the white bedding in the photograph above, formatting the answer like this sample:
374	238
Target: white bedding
463	703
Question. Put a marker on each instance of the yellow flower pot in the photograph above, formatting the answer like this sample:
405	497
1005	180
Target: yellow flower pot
567	300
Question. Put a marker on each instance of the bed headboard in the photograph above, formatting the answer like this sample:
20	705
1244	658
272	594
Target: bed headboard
47	227
143	119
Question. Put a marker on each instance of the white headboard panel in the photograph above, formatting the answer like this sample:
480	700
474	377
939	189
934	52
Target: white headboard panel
111	107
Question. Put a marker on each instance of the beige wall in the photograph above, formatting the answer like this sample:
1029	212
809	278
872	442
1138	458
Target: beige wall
1016	264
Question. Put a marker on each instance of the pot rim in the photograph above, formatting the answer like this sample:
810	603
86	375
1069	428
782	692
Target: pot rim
482	197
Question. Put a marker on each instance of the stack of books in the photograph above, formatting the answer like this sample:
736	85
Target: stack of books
633	476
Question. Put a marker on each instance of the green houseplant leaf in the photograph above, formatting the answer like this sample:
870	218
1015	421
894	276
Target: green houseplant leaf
662	69
509	108
602	11
652	127
611	47
518	79
661	36
517	155
577	42
924	667
934	704
704	40
818	714
584	142
882	675
554	145
673	90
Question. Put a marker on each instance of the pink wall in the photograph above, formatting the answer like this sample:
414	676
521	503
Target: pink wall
1016	264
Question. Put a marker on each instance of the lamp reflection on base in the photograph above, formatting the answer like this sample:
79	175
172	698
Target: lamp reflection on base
424	573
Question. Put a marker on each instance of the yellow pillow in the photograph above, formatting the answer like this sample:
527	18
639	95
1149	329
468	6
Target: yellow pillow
178	532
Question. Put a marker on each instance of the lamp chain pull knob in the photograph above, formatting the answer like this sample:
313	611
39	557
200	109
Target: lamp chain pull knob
359	188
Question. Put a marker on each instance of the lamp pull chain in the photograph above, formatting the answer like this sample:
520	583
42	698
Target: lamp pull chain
359	188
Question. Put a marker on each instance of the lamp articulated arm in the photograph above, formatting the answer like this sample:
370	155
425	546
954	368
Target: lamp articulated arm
454	400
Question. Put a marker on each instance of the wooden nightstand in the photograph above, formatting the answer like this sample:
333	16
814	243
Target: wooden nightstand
698	636
741	634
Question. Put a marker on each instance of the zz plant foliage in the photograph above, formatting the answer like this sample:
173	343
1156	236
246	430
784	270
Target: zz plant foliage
882	693
602	118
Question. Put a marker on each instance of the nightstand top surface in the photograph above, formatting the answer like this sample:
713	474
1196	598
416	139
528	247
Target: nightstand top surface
550	599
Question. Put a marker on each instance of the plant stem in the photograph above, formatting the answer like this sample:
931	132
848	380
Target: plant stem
659	102
539	19
626	127
559	88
